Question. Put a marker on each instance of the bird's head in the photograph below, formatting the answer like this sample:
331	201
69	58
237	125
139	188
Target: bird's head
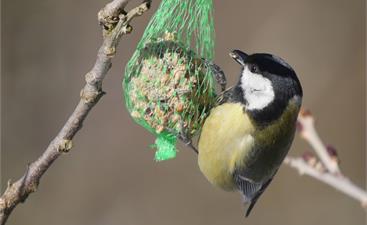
267	84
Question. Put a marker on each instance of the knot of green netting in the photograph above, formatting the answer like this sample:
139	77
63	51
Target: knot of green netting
165	144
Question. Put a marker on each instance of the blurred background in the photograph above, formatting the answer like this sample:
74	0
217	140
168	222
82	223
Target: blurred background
110	177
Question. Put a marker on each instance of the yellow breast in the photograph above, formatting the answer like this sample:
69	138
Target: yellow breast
225	139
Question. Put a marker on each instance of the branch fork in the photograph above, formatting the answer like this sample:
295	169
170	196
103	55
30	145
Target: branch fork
324	166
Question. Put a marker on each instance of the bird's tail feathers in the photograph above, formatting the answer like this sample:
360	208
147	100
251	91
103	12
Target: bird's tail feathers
248	204
250	191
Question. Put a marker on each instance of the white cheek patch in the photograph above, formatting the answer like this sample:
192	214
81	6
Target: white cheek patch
258	91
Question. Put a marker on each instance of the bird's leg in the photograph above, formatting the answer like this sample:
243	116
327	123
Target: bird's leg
185	139
182	136
188	142
219	75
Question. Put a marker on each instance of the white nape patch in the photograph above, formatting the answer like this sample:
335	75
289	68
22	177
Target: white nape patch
258	91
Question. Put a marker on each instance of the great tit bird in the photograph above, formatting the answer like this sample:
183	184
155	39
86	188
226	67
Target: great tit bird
248	134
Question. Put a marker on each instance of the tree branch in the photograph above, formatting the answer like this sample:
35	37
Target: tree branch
308	132
116	23
340	182
324	167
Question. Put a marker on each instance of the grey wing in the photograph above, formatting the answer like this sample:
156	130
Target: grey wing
251	191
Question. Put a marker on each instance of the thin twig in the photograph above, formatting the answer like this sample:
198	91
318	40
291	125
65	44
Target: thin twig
340	182
89	96
109	15
325	168
309	133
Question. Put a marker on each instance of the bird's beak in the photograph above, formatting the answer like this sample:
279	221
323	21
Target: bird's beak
239	56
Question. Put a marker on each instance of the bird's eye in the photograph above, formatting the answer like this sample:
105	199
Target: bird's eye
254	69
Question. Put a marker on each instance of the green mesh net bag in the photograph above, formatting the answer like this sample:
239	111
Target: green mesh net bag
167	88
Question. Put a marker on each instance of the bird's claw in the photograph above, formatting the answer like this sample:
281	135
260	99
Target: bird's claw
182	136
219	75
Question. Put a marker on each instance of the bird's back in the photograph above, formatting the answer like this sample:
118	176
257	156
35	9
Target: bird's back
272	144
